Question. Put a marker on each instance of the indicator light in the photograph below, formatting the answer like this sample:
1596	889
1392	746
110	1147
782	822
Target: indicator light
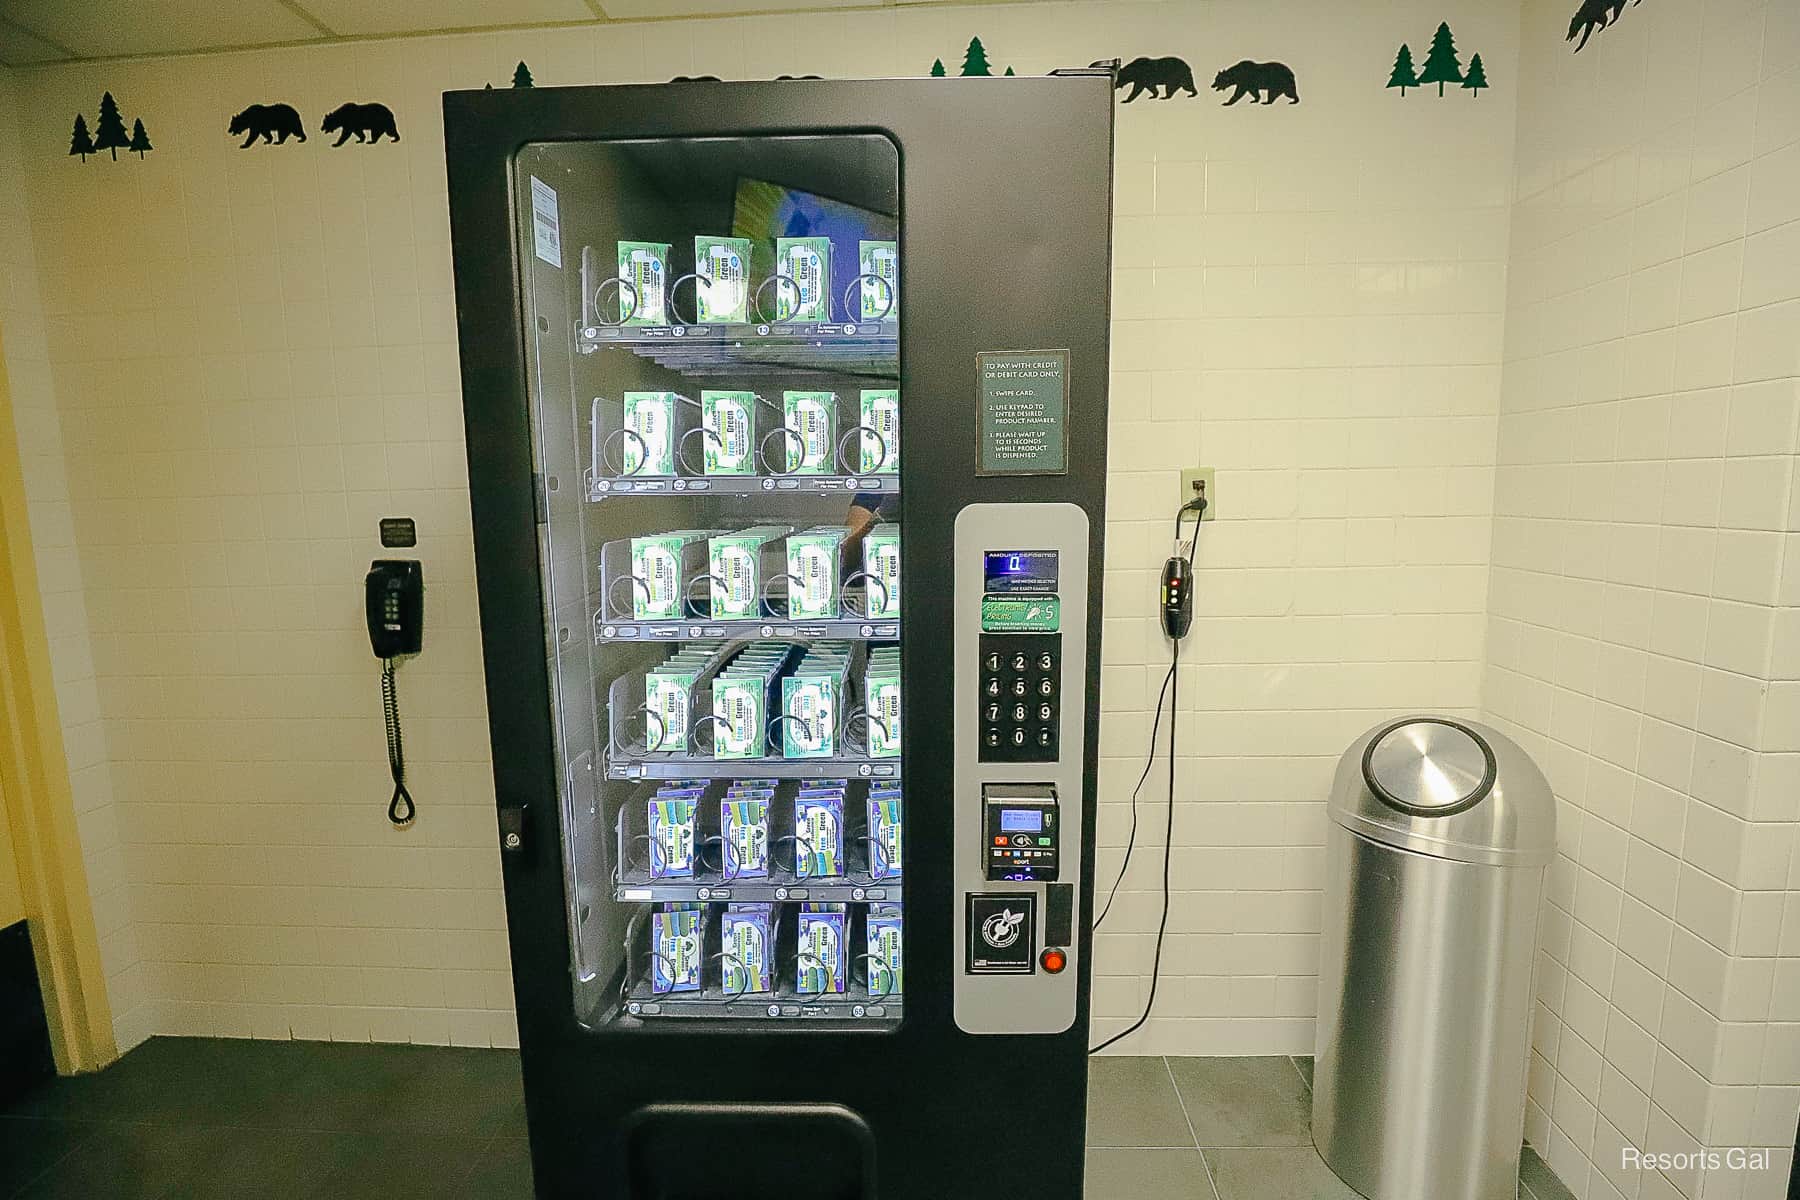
1053	960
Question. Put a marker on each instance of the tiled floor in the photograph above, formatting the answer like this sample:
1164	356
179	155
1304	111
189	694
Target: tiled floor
1220	1129
181	1119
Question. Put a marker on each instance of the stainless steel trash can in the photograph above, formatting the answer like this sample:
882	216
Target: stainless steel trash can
1439	837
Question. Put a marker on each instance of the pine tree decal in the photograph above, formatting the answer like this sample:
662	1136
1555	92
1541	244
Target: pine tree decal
937	69
1404	76
140	141
80	143
975	61
109	130
1009	71
1477	79
521	75
1441	66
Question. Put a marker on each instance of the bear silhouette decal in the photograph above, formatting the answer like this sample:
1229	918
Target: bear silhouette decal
273	123
1254	79
1592	15
365	122
1149	74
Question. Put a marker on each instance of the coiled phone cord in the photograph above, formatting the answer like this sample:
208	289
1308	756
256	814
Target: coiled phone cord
400	808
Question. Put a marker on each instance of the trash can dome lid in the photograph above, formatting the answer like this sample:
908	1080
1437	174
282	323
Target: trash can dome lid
1449	788
1429	767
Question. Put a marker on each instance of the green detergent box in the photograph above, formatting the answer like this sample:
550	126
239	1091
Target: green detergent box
812	567
880	413
886	951
812	703
650	421
806	261
645	266
878	292
881	564
740	564
881	700
722	286
669	696
740	702
729	419
662	567
811	418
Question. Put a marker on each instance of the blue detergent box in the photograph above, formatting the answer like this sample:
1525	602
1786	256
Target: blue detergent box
744	824
885	950
819	828
884	834
672	820
747	937
675	956
822	962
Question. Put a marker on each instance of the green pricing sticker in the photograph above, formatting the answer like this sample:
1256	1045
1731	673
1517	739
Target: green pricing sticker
1024	401
1021	614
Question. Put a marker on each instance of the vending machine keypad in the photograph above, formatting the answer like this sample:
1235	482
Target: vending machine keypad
1020	696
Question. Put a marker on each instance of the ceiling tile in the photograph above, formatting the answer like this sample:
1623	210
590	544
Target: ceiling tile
357	17
628	9
19	48
102	28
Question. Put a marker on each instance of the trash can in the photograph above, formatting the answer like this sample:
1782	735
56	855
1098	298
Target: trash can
1439	836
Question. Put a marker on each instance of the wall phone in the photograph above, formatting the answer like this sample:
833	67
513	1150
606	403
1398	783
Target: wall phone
394	602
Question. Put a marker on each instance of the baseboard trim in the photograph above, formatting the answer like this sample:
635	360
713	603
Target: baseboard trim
25	1060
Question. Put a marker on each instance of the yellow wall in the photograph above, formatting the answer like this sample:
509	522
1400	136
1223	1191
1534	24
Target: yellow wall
12	904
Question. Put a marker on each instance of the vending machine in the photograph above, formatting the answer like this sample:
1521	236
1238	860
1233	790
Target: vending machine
786	420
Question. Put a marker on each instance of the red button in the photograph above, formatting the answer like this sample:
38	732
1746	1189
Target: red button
1053	960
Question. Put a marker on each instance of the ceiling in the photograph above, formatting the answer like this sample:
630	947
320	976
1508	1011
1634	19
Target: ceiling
49	31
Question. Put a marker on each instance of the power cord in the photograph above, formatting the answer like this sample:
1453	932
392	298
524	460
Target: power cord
1178	604
400	808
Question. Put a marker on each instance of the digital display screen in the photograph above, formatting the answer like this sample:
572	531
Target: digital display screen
1021	820
1020	571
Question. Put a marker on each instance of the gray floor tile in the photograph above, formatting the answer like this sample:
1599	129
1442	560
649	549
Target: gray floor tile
1147	1175
1244	1101
1290	1173
1536	1175
1303	1063
30	1147
1132	1102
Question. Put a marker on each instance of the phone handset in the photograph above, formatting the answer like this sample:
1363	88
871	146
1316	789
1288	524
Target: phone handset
394	599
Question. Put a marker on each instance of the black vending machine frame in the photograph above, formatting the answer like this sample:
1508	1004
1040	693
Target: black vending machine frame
1006	222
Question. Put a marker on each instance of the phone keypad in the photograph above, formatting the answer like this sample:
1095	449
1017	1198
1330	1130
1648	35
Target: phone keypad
1020	706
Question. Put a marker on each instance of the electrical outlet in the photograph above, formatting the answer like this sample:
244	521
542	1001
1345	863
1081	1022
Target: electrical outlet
1194	480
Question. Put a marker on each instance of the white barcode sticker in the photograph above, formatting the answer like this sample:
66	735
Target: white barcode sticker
546	224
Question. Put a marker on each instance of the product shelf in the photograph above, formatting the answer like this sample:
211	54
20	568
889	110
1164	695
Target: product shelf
783	1004
630	765
855	629
637	887
603	487
869	348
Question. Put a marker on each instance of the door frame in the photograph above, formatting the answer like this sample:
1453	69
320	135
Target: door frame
35	790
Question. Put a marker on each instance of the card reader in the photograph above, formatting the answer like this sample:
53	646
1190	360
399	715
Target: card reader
1021	831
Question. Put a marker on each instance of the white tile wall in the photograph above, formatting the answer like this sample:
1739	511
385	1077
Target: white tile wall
1641	637
254	360
60	582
